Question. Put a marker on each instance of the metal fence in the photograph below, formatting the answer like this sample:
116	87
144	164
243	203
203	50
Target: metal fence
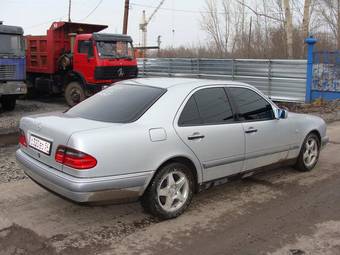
282	80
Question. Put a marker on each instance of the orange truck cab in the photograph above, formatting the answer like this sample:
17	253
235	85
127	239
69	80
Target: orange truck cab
74	59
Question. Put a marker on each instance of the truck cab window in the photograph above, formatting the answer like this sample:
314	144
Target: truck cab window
115	49
85	47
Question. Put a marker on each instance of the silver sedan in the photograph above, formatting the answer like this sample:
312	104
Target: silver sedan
162	140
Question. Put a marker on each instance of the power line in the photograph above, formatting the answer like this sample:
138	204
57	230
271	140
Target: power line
93	10
197	11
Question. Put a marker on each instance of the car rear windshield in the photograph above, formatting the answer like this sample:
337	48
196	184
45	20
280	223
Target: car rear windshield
117	104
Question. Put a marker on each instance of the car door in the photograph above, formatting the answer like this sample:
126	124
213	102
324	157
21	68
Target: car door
84	61
206	125
267	139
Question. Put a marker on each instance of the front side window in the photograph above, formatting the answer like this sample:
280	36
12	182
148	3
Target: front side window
115	49
11	44
207	106
85	47
117	104
251	106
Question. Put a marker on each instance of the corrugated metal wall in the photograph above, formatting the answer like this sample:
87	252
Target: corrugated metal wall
282	80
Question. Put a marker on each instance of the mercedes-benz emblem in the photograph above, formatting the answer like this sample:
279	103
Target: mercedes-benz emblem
120	72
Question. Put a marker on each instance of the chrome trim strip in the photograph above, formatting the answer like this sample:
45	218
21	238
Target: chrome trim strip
224	161
234	159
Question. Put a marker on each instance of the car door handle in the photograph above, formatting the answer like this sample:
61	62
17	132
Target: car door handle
195	137
251	130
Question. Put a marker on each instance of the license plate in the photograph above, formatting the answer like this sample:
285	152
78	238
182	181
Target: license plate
40	144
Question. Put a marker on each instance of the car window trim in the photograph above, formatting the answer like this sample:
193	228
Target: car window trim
192	94
239	120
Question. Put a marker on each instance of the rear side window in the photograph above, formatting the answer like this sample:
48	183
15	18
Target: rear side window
190	115
251	106
207	106
117	104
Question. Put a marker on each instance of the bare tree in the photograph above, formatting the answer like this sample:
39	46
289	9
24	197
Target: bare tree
211	24
289	27
329	10
269	28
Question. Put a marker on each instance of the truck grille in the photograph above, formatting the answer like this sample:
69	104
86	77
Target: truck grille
7	72
115	72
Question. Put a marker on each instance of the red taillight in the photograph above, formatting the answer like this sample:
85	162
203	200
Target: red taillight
74	158
22	138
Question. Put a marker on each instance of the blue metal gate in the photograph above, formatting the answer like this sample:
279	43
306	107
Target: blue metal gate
326	73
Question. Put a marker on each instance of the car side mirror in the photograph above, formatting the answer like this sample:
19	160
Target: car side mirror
281	114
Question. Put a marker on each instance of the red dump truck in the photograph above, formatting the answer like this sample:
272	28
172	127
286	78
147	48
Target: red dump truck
74	59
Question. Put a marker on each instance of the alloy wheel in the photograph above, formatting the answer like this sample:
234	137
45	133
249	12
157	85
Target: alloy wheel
173	191
311	152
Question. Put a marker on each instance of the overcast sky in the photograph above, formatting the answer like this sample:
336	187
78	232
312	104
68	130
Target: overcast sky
35	16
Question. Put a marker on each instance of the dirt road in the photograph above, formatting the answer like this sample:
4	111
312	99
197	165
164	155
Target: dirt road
280	211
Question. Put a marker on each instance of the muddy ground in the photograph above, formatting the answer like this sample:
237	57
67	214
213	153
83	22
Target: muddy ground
280	211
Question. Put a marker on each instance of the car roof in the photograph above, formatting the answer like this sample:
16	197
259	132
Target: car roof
191	83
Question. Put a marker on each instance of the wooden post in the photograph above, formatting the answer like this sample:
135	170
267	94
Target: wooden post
126	16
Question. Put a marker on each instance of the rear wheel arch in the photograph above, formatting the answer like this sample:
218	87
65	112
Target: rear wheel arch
186	161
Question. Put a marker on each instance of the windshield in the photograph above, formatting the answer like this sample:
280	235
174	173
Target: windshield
117	104
115	49
11	45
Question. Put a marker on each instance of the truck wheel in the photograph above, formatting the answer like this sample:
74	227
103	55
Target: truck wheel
74	93
8	102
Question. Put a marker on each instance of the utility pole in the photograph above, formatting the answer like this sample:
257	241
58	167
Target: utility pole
126	16
249	36
69	10
338	28
159	44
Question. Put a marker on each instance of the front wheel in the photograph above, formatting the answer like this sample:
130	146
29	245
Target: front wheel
8	102
74	93
309	154
170	192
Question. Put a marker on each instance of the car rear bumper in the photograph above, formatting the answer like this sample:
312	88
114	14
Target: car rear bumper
114	188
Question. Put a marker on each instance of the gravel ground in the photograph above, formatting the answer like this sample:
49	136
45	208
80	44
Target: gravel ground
9	121
10	171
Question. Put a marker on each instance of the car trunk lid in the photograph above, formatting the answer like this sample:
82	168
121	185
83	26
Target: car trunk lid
44	133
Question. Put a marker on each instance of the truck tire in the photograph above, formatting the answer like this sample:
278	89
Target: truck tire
8	102
74	93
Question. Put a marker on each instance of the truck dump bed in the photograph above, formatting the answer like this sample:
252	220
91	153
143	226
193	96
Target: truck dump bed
42	52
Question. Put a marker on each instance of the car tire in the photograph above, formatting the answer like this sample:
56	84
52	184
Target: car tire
309	154
74	93
8	102
170	191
